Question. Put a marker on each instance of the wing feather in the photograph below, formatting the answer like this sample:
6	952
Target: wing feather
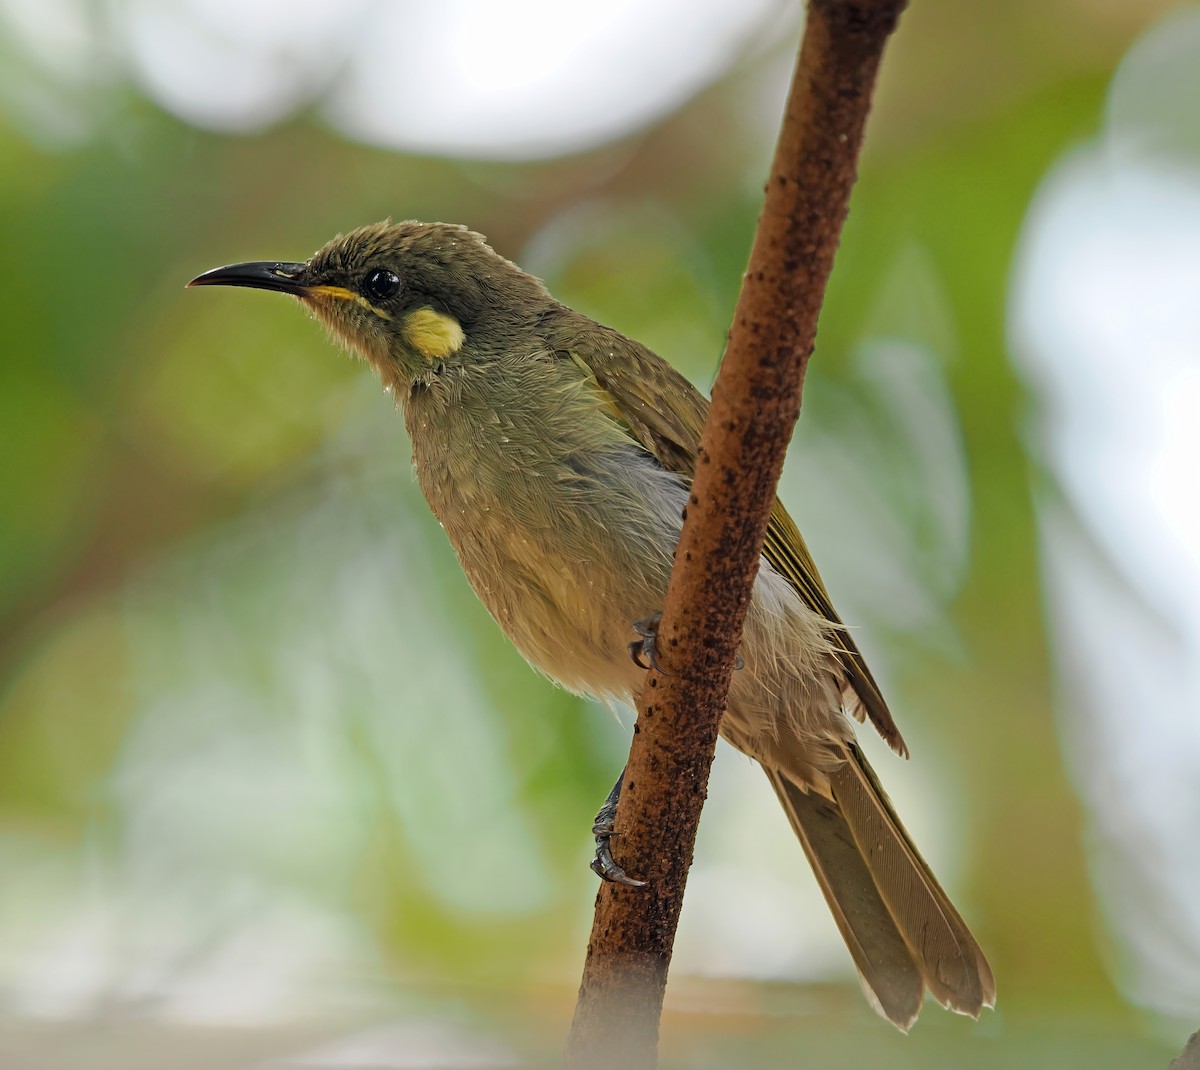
665	413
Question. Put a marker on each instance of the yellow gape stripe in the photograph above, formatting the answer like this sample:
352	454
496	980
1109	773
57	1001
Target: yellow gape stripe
349	295
433	334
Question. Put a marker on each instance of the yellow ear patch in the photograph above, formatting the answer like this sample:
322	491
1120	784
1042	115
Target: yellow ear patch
433	334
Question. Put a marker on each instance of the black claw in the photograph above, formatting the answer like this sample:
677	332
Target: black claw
646	645
603	865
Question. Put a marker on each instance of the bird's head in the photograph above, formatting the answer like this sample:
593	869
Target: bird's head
405	295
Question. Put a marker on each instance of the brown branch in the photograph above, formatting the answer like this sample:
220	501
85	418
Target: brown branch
756	400
1189	1058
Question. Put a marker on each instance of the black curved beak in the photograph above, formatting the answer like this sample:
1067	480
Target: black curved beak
260	275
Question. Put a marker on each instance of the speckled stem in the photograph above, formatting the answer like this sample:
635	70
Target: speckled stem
756	400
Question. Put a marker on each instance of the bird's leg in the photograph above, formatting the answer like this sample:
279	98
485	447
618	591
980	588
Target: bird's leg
645	647
603	864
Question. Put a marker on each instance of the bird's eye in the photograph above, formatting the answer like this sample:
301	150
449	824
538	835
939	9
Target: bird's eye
380	284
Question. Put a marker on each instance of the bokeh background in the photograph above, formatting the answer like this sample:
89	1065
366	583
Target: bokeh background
274	791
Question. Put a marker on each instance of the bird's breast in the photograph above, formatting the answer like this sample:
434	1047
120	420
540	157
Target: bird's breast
564	526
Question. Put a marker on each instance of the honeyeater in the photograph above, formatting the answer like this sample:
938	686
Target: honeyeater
558	455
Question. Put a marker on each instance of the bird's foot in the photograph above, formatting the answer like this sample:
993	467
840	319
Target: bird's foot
603	865
646	645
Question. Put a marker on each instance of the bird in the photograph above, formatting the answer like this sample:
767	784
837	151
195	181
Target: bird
557	454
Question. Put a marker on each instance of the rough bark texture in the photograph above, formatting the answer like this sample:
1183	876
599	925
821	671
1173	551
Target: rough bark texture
756	400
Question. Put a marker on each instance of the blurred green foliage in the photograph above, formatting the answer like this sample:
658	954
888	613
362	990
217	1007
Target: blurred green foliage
241	673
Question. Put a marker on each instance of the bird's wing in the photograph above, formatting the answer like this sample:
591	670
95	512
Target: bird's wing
659	407
666	414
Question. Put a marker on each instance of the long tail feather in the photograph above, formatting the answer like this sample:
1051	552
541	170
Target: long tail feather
890	978
900	926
